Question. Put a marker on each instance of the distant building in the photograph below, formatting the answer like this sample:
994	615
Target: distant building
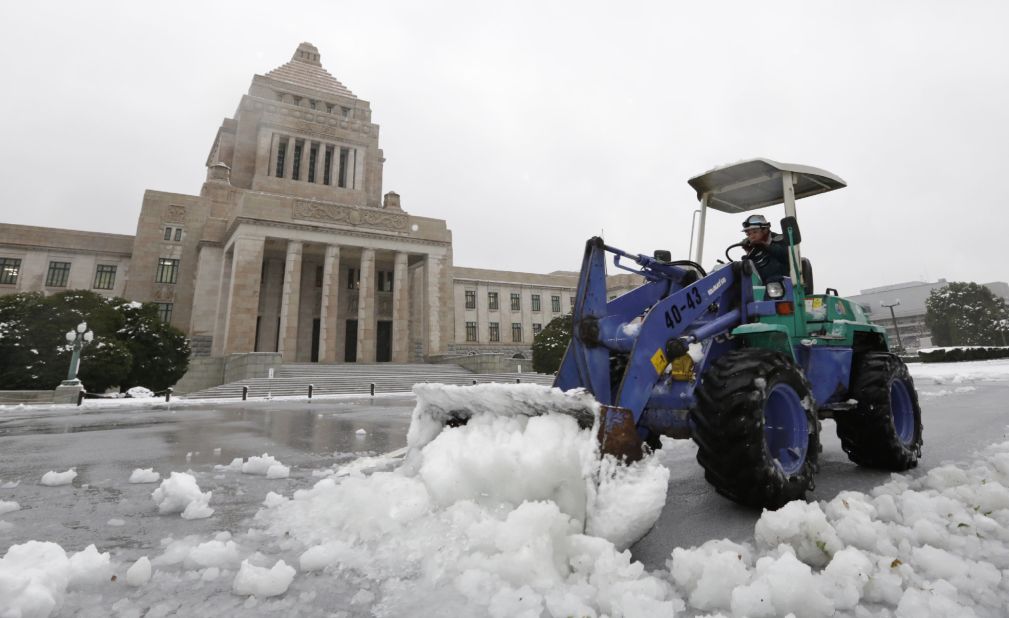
910	313
292	247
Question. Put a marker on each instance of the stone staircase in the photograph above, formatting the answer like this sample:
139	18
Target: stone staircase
355	379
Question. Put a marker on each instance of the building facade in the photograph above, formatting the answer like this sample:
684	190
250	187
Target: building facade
292	247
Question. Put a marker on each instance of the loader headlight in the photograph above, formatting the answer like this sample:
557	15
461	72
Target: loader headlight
774	289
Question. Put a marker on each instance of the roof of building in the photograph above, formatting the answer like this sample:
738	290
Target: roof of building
305	69
62	239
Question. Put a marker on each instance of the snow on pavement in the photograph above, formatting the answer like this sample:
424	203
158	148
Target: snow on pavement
490	519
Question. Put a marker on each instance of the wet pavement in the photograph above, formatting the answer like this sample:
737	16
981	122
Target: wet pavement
105	445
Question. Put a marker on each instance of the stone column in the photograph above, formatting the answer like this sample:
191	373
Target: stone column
289	302
274	153
333	160
329	305
243	295
400	310
223	298
366	334
432	277
263	154
306	147
289	159
320	156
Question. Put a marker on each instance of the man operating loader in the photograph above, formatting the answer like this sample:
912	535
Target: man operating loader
768	251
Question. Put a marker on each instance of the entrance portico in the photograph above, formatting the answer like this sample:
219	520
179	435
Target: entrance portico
308	288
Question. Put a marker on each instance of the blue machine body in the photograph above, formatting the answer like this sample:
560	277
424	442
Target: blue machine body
621	349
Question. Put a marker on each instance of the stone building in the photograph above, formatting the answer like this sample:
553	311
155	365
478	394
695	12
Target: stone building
291	246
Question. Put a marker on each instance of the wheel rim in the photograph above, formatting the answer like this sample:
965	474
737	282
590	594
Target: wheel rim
786	429
902	411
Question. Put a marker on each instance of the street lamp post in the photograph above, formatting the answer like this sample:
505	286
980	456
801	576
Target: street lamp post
900	344
77	338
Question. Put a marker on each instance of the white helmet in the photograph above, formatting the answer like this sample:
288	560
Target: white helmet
756	222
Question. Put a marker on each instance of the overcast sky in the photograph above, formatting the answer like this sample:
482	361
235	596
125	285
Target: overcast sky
531	126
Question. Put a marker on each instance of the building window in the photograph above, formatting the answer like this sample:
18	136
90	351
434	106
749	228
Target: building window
470	331
537	328
57	275
105	277
313	154
555	304
495	332
536	302
281	155
165	312
168	271
178	234
516	332
311	103
296	172
353	279
492	301
168	233
329	108
318	276
345	111
572	302
516	303
9	269
385	281
471	299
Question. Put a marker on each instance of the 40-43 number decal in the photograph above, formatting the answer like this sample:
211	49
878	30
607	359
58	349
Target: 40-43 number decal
674	315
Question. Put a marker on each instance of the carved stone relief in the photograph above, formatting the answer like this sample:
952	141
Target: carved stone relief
350	215
174	214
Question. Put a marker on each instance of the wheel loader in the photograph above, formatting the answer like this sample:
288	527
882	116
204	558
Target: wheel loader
746	368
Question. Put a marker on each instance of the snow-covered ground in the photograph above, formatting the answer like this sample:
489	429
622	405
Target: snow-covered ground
514	516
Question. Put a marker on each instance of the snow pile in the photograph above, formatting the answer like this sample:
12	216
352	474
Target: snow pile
34	576
55	479
263	582
139	392
9	506
140	573
267	466
935	546
487	518
144	475
960	373
179	493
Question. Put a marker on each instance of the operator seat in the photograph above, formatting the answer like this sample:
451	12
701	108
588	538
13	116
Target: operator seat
807	276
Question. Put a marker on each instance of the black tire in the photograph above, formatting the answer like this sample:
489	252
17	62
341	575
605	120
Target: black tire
729	428
884	431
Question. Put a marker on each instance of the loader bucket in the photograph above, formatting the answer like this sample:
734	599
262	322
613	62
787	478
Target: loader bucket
441	405
618	435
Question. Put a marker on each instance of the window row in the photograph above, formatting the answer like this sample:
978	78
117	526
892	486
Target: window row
516	301
494	331
317	105
58	274
327	164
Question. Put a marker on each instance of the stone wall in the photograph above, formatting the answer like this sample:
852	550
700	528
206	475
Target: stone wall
252	365
204	372
16	397
487	363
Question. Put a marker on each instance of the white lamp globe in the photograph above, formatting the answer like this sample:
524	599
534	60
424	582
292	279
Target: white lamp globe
88	336
83	326
71	335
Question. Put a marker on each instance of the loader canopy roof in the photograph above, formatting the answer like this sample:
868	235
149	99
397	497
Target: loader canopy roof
756	183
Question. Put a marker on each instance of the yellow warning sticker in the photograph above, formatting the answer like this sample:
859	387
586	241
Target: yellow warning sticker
659	361
817	302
